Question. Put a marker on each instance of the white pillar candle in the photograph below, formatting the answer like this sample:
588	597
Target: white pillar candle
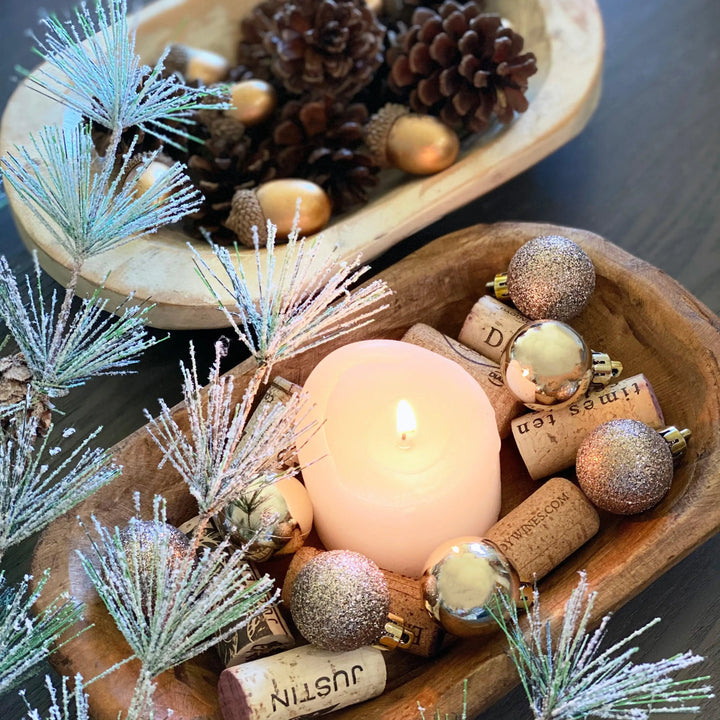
377	485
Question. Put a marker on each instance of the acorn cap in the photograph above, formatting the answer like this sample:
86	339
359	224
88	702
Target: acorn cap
246	213
378	129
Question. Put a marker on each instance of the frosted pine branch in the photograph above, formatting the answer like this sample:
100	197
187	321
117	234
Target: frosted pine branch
572	678
70	705
304	300
32	494
63	354
89	206
26	639
177	608
95	70
217	460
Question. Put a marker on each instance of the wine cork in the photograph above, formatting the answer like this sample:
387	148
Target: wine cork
489	327
280	390
484	371
301	683
548	441
265	634
406	601
545	529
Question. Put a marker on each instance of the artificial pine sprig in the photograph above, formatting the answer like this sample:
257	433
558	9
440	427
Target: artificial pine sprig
304	300
177	607
72	704
90	343
218	460
32	494
573	679
26	639
91	207
96	72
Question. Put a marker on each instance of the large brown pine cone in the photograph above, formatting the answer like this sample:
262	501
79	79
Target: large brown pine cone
315	47
463	65
253	58
322	141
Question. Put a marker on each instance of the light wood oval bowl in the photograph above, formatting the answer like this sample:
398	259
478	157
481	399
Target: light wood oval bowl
637	314
566	36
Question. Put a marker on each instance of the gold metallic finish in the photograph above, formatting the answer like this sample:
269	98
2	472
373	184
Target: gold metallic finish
395	634
421	144
278	200
205	66
498	287
461	583
605	370
546	363
254	101
676	440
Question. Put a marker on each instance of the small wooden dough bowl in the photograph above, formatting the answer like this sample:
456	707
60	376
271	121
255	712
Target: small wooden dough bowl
637	314
566	36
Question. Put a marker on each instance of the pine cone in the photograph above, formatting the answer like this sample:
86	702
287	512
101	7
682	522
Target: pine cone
322	141
463	65
15	381
218	167
316	47
253	58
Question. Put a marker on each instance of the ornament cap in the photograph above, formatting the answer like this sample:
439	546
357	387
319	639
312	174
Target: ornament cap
498	286
676	440
605	370
395	634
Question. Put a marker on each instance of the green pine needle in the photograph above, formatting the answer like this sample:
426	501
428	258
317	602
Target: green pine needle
72	705
96	72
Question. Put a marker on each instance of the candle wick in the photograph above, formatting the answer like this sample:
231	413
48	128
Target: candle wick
404	437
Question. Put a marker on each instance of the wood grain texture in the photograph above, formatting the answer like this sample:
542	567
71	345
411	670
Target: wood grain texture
638	314
567	38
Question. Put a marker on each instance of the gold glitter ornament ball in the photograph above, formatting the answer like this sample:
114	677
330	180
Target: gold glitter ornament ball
340	601
625	467
550	277
140	540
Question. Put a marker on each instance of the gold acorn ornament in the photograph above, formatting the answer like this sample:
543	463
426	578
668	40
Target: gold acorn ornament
417	144
277	201
253	100
195	64
547	363
145	178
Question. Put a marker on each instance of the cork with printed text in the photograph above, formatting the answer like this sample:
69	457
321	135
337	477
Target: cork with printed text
483	370
489	327
548	441
545	529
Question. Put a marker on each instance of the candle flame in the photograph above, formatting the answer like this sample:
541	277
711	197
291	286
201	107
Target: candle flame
406	422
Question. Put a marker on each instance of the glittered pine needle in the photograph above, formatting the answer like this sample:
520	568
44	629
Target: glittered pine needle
26	639
64	353
89	206
304	300
95	70
179	605
32	493
217	459
573	678
68	705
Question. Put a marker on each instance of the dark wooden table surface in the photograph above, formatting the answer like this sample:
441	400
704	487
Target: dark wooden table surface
644	174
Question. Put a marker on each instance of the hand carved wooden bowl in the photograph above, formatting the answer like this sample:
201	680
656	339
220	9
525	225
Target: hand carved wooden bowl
567	38
637	314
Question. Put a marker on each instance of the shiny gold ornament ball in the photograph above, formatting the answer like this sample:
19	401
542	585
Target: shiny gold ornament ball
546	363
625	467
421	145
461	579
551	277
140	540
340	601
253	100
278	200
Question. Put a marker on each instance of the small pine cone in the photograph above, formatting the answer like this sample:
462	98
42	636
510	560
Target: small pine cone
463	65
15	381
322	141
316	47
246	214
